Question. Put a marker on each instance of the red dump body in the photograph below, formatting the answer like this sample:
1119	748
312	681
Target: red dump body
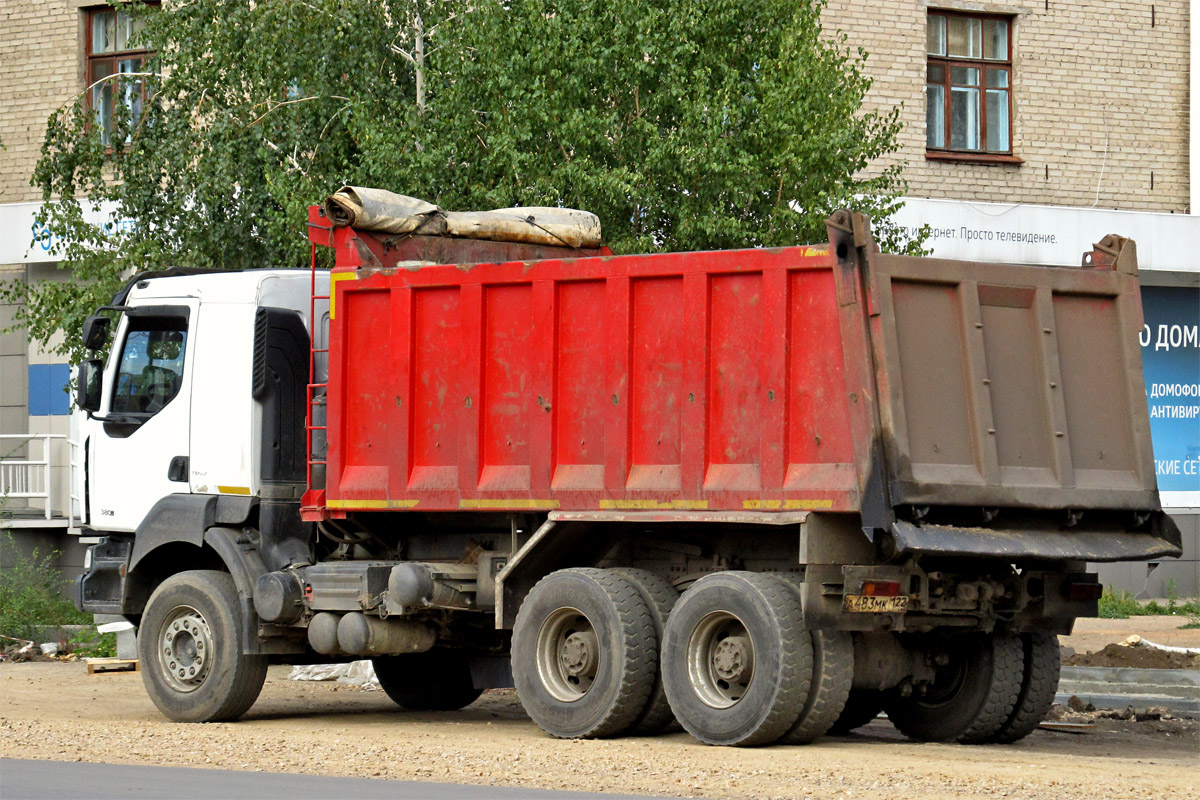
738	381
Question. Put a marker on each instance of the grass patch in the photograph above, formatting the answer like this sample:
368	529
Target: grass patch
1120	604
30	593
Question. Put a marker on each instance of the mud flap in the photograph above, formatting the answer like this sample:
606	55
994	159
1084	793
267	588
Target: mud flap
1075	544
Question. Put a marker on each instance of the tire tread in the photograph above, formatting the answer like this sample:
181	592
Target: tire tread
1043	666
1008	668
797	659
833	673
636	631
249	671
660	597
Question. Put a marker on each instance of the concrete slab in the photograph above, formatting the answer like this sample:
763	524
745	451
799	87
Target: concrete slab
1177	690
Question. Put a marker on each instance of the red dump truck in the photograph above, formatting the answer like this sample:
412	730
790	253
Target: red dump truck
766	493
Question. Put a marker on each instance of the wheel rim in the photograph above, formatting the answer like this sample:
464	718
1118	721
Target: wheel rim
720	659
185	649
947	683
568	654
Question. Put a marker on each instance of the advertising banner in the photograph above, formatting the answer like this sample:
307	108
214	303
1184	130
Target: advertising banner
1171	363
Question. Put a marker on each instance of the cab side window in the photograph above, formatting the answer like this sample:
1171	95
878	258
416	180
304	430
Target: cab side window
151	368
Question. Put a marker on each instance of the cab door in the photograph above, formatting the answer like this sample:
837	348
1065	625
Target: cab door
139	441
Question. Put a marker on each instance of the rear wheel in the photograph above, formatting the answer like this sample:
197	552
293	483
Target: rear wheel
832	674
436	680
1043	663
660	597
736	659
972	695
583	653
189	645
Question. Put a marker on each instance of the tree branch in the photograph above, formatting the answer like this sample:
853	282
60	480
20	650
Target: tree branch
398	51
280	103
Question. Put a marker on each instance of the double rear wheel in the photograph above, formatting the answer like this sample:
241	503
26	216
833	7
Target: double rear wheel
602	652
737	661
598	653
973	695
740	667
583	653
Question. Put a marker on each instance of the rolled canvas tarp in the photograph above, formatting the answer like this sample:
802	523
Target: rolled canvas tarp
554	226
379	210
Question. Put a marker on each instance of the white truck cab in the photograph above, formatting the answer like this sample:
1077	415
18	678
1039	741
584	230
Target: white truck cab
177	413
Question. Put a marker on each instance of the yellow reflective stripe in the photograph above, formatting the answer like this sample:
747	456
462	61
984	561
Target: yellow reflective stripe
233	489
369	504
775	505
474	502
653	505
333	282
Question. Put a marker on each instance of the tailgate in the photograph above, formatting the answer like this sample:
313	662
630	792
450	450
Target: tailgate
1006	385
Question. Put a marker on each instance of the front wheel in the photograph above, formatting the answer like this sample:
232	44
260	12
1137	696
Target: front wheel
189	645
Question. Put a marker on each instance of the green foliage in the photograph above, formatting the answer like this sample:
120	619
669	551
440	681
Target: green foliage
1119	604
30	592
88	643
683	125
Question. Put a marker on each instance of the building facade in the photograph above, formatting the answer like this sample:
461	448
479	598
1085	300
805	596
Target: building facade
1030	131
1099	100
42	67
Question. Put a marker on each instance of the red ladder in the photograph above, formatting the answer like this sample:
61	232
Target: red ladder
312	507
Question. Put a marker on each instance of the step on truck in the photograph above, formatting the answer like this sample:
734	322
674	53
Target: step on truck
767	493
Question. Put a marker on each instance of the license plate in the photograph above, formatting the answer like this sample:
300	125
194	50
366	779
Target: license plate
875	605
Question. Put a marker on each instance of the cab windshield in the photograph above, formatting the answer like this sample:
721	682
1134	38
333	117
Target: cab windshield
151	368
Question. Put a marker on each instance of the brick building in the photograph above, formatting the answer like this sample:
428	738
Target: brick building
1099	100
41	68
1031	130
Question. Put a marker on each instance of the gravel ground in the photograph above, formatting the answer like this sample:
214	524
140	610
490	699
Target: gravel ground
56	711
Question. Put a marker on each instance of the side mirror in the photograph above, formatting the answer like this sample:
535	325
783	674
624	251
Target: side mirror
95	332
88	380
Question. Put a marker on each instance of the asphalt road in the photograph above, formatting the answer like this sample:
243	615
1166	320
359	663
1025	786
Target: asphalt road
22	779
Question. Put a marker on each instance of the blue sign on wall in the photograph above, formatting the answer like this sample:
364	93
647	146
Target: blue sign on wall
1171	362
48	390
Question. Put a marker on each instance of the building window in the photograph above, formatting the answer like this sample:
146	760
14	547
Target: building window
113	49
968	88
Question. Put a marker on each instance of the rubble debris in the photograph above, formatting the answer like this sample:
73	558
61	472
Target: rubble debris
1076	704
1137	653
355	673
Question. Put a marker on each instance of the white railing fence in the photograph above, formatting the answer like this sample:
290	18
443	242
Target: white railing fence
75	493
24	477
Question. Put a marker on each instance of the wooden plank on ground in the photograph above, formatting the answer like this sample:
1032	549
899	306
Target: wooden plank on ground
100	665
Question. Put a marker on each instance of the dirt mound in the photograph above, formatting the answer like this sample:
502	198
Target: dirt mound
1119	655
